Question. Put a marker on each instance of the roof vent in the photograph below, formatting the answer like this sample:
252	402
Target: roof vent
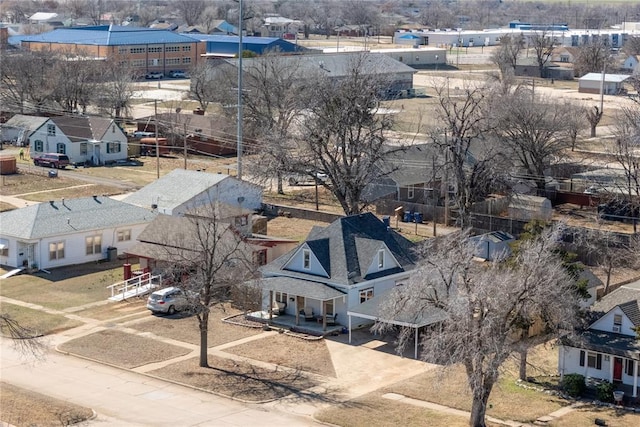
95	197
154	206
51	202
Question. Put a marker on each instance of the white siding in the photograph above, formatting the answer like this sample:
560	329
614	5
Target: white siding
605	323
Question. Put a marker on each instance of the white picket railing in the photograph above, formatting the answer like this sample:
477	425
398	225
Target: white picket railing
138	285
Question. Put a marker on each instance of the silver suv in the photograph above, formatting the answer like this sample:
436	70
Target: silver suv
168	300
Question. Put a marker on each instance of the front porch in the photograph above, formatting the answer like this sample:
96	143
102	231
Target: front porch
313	326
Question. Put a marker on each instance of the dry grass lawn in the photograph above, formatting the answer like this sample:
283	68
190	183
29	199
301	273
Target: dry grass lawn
292	352
122	349
41	323
587	415
238	380
117	312
186	328
22	407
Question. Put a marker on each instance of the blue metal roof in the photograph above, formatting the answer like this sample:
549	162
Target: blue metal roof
226	44
106	35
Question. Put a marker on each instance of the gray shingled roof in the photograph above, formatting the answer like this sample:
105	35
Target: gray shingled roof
29	123
606	342
345	249
289	285
175	188
627	297
82	128
62	217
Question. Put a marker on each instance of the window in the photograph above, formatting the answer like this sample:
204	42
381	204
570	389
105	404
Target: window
83	148
186	48
93	244
628	367
56	250
138	63
138	50
366	295
280	297
186	60
617	322
594	360
51	130
61	148
122	50
241	221
124	235
411	192
260	257
155	49
4	247
38	146
400	59
172	61
113	147
172	49
306	259
381	258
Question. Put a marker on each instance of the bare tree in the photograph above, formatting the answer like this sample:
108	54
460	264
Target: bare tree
594	57
27	340
75	78
208	255
543	44
116	89
506	55
626	154
191	10
342	134
534	129
27	82
208	85
482	306
593	117
576	122
469	157
273	101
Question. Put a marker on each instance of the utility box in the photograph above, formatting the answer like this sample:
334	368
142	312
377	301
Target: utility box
112	253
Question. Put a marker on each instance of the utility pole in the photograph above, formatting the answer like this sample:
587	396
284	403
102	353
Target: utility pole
604	71
239	130
155	115
184	143
433	190
446	181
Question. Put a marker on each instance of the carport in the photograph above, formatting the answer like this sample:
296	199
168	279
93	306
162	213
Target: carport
374	308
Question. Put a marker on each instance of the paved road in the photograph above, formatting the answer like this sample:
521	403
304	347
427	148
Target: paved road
124	398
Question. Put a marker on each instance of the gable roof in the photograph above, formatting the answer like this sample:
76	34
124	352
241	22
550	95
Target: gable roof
627	297
82	128
175	188
345	247
29	123
70	216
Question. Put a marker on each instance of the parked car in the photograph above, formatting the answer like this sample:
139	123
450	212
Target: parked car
154	75
617	210
168	300
177	74
53	160
142	134
304	178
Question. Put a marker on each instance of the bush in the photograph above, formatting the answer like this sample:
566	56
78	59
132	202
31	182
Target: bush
604	391
574	384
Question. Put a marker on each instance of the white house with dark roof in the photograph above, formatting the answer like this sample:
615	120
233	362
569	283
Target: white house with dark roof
93	140
67	232
351	261
609	348
181	190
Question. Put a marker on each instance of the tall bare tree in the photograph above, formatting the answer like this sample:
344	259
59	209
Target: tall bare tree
191	10
26	80
481	305
470	157
75	76
342	133
507	53
543	44
207	85
209	256
593	117
534	129
116	89
594	57
626	154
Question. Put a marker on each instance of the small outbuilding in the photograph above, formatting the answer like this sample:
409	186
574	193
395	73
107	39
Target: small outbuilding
527	207
594	83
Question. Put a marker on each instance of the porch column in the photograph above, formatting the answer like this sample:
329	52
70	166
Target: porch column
635	378
298	305
561	362
270	306
349	329
612	362
324	315
415	352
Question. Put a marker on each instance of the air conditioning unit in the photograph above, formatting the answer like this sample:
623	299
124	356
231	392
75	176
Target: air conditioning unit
616	328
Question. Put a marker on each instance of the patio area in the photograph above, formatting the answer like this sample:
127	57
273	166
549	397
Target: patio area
287	321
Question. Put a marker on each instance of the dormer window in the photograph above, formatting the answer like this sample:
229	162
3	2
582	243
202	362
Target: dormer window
617	322
306	259
381	259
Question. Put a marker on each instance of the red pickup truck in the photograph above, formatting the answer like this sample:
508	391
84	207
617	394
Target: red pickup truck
53	160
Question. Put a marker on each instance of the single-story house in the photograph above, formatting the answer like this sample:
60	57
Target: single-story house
337	268
67	232
93	140
593	83
172	236
609	348
631	63
181	190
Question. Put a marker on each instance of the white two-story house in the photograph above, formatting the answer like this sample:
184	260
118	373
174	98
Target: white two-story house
338	267
609	349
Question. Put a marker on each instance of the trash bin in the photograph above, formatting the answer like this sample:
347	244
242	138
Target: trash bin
386	221
408	217
112	253
53	173
417	217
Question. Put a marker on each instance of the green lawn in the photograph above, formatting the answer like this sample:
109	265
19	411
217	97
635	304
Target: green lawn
64	287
